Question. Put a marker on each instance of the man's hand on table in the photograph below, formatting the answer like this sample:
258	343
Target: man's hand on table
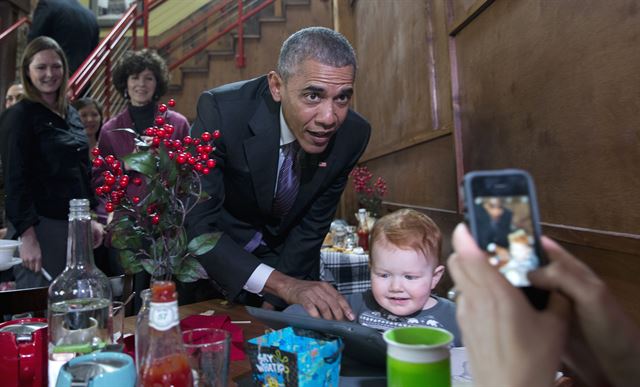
318	298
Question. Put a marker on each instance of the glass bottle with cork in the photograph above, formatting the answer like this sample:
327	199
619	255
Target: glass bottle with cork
363	229
166	362
79	301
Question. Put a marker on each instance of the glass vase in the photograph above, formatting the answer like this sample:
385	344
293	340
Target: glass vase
79	300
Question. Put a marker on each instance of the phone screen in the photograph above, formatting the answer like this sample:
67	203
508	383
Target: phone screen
505	230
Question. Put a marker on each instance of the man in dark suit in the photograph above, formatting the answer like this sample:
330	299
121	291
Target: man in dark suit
267	247
494	224
72	25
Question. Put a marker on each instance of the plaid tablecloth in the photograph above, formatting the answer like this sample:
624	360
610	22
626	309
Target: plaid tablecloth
348	272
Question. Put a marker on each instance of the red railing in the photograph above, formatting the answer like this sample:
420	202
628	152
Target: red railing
255	7
96	69
93	77
14	26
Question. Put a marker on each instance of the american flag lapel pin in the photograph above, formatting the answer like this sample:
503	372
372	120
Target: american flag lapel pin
322	164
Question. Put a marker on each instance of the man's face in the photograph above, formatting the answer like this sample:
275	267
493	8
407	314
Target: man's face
402	279
315	102
14	94
494	208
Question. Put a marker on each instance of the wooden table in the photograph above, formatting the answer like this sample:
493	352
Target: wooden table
238	368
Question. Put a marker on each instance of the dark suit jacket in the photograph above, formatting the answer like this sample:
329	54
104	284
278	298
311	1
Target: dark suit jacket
45	162
242	186
69	23
493	232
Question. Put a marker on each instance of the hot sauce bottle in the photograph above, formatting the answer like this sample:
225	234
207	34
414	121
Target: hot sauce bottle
166	362
363	229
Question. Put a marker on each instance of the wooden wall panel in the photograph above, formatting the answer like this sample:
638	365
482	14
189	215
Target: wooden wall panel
403	89
401	73
552	87
422	175
620	271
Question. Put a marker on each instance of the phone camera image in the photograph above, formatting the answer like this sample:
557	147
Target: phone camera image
501	210
505	230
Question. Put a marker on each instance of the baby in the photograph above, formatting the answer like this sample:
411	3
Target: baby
404	261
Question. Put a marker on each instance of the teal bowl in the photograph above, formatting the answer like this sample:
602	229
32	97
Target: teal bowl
101	369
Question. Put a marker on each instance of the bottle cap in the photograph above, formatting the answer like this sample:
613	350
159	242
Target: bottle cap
79	209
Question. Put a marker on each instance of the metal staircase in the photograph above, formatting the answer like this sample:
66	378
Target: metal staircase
216	32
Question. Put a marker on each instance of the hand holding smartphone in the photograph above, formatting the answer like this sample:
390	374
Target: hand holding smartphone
502	213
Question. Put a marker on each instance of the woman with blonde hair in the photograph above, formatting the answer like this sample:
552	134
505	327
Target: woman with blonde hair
46	163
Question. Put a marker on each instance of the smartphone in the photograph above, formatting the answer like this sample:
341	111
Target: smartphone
502	213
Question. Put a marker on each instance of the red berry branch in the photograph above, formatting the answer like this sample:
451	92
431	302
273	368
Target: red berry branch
148	226
369	194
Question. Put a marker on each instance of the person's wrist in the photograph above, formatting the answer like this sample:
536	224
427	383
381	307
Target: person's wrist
28	234
278	284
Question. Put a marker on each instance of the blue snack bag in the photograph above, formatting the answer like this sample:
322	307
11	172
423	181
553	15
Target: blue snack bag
295	358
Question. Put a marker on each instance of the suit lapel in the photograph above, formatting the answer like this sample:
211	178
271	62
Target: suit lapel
261	153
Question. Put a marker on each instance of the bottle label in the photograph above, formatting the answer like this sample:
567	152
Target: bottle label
163	315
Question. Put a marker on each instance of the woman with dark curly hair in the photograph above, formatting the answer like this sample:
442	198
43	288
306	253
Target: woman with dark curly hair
142	78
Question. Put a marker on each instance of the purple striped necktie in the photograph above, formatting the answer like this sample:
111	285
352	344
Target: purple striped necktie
288	182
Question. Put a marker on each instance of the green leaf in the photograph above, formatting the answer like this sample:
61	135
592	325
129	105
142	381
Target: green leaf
158	194
122	223
150	266
203	243
129	262
203	196
121	239
143	162
157	250
167	166
179	242
190	271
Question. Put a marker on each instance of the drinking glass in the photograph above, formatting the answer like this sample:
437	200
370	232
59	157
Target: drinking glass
142	328
208	351
418	356
118	321
338	235
351	239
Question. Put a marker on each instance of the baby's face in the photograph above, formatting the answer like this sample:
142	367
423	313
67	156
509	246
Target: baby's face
402	280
